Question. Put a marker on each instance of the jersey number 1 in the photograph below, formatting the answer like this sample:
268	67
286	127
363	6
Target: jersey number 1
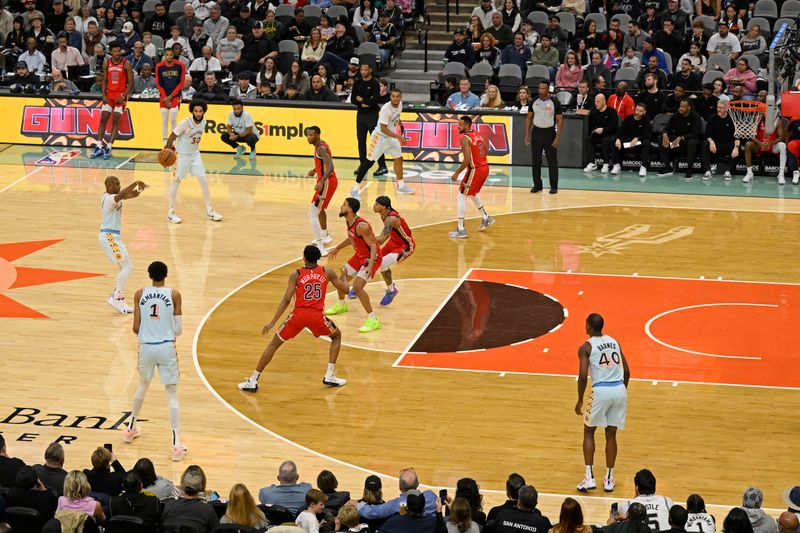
154	311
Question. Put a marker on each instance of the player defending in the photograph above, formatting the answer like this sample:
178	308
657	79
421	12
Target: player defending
474	159
601	356
387	142
309	286
111	211
764	144
362	266
169	81
323	190
188	134
157	320
116	86
398	243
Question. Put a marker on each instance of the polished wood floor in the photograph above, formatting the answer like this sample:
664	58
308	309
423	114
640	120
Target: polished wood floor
81	361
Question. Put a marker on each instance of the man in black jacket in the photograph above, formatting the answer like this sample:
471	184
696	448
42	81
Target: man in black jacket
159	22
603	127
706	105
257	47
460	50
685	76
651	96
52	472
22	77
525	518
210	90
318	92
513	484
669	40
29	491
339	50
9	466
652	68
720	142
682	135
634	135
366	91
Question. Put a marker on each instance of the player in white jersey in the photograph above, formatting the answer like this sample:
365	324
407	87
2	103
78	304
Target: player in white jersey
601	356
386	141
157	321
188	133
110	240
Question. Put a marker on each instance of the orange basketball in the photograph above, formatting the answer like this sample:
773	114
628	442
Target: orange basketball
167	157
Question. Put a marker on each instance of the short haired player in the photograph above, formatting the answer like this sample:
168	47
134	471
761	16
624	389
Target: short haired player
110	240
157	321
188	134
763	143
116	88
473	159
362	266
601	357
387	140
308	285
397	241
323	189
169	75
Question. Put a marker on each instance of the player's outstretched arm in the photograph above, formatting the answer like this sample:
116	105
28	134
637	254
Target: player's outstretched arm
137	316
336	281
131	191
335	250
583	375
177	312
283	304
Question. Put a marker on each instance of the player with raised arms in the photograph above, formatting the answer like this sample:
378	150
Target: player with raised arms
324	188
601	357
116	89
398	243
308	285
473	152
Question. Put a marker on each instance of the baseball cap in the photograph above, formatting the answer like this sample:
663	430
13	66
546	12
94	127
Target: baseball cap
459	31
354	61
415	502
244	9
649	40
127	27
753	498
373	483
258	25
20	64
792	498
722	23
192	483
26	478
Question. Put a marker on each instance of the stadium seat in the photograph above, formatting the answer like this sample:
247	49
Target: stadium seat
778	23
711	75
24	519
360	33
567	21
623	20
284	13
540	17
235	528
599	19
668	58
127	524
370	52
277	514
535	74
510	75
628	74
478	75
288	45
719	62
455	69
176	8
285	60
312	11
334	12
158	42
708	22
790	9
753	60
149	6
565	98
766	8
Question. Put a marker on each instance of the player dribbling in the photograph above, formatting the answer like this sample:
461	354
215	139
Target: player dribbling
398	243
473	159
323	190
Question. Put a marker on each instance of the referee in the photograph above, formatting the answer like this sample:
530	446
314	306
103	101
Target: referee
544	114
365	95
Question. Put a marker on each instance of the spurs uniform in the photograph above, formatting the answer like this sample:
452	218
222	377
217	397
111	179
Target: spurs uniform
110	227
478	170
400	245
700	523
380	143
157	335
358	265
116	86
608	399
309	301
323	198
187	147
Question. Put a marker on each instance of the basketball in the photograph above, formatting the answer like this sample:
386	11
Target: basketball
167	157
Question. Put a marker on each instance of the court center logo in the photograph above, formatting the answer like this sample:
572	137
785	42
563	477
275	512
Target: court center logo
618	242
68	122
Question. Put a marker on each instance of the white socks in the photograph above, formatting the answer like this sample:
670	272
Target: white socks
138	401
313	218
589	472
609	473
254	377
206	192
476	200
174	414
172	193
125	269
331	369
461	210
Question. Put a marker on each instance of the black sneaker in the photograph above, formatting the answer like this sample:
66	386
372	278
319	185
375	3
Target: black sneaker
688	176
553	190
536	188
381	172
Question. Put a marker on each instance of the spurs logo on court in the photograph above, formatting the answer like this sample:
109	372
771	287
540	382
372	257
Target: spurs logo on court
616	243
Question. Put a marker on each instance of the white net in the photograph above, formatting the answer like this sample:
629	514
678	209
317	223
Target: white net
746	120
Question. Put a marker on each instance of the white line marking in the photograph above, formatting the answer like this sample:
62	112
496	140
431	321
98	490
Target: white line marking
556	328
702	277
719	278
566	312
674	383
546	350
550	297
704	354
364	188
655	383
518	286
502	374
23	178
126	161
520	342
569	271
471	351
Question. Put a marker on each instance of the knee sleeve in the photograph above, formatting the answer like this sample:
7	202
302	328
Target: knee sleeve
172	396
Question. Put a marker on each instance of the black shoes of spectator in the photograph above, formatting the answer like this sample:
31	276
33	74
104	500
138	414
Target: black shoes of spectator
381	171
536	189
554	190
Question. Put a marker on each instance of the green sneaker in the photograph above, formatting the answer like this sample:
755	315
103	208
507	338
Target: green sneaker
336	309
372	324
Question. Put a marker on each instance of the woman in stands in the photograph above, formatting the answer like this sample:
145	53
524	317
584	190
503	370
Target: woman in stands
570	520
365	15
735	24
742	75
719	90
570	73
152	482
488	52
328	78
524	99
581	50
511	15
201	494
612	59
111	25
297	76
696	57
491	98
753	42
76	497
709	8
590	35
269	76
737	521
313	50
468	489
460	520
242	509
328	484
474	31
699	519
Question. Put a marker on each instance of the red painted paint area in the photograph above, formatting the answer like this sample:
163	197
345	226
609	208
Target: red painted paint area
701	331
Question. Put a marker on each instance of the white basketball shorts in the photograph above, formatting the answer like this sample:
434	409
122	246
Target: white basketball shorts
162	356
189	164
380	144
113	246
606	406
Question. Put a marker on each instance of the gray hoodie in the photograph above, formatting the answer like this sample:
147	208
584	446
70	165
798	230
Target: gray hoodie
761	521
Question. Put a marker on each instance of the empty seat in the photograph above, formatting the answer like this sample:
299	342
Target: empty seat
536	73
334	12
790	9
24	519
626	74
149	6
720	62
540	17
766	8
456	69
176	8
127	524
567	21
711	75
510	75
288	45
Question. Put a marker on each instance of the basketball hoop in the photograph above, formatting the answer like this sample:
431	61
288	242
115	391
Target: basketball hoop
746	114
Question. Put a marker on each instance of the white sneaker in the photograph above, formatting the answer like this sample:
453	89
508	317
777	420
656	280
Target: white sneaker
591	167
327	239
354	192
781	179
748	177
128	435
795	177
179	452
616	169
707	175
213	215
404	189
728	176
332	381
642	172
604	170
587	484
248	386
608	484
128	309
458	234
321	247
172	217
119	306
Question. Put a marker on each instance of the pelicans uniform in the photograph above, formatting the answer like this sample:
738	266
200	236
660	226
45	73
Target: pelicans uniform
380	143
358	265
187	147
478	169
116	86
608	399
309	301
323	198
157	335
400	245
169	81
110	227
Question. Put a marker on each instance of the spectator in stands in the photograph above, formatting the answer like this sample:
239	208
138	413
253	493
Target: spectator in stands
559	37
724	42
613	35
460	50
272	26
365	15
683	129
584	101
598	87
685	76
215	26
206	62
571	518
45	40
312	51
649	23
737	521
650	50
177	38
158	23
525	517
339	49
96	61
634	135
732	20
415	519
460	520
590	35
709	8
502	34
673	102
82	19
696	58
787	522
34	59
698	519
511	15
15	41
631	60
135	502
546	55
179	53
289	493
30	13
569	73
52	472
474	29
144	80
408	481
597	69
621	101
210	90
198	39
270	77
138	58
464	99
76	497
634	38
791	496
327	484
62	85
579	47
467	488
487	52
243	90
612	59
491	98
669	40
97	86
187	21
676	15
190	510
127	38
653	69
385	35
299	77
74	38
298	30
229	49
742	76
136	17
484	12
753	498
202	8
243	22
517	53
161	487
603	127
719	89
257	48
94	37
698	35
705	105
29	491
752	42
56	16
315	504
548	6
678	514
100	477
110	24
242	509
629	519
531	37
513	484
319	92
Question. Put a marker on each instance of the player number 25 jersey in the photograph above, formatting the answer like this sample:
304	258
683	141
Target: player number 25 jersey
605	360
189	134
312	284
157	315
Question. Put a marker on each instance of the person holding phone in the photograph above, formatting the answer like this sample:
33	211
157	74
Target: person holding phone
101	477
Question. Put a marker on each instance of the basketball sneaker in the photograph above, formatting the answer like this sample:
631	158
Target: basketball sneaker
248	386
382	171
179	452
616	169
336	309
332	381
404	189
172	217
327	239
98	151
107	152
664	172
389	296
587	484
727	176
352	294
458	234
213	215
795	177
485	223
371	324
252	155
116	304
591	167
128	309
707	176
239	150
748	177
604	169
129	434
608	484
642	172
781	179
354	192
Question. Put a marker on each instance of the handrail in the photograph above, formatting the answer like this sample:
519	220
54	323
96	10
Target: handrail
426	28
447	14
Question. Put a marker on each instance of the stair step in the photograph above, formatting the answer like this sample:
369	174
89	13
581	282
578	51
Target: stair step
414	74
419	64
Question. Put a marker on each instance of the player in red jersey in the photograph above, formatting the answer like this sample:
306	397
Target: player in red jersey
362	266
398	243
116	85
309	286
323	190
474	160
763	144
